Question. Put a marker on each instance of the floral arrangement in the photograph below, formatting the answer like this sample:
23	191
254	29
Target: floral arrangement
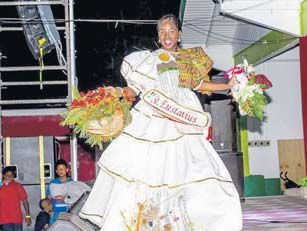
248	89
98	115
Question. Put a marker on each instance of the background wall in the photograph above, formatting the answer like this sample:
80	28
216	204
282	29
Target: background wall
283	114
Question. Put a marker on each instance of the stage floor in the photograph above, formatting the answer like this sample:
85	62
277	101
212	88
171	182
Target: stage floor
278	213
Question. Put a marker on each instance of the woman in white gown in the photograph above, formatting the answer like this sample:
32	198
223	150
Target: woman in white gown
161	173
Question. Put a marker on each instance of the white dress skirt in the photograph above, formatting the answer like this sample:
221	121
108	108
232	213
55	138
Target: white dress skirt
157	176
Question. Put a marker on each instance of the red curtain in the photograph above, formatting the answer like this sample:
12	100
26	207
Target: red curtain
29	126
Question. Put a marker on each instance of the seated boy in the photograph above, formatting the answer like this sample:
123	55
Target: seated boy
43	218
57	194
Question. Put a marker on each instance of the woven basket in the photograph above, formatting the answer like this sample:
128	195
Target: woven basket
106	127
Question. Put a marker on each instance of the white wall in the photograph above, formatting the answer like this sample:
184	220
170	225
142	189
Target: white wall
222	55
283	114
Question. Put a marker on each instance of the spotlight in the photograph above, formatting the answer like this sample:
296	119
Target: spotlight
39	29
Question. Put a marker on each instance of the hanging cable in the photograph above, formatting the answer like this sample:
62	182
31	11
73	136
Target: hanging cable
41	43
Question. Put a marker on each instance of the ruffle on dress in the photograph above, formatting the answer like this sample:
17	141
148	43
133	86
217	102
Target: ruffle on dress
152	151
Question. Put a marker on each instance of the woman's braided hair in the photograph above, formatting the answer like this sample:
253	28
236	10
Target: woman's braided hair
170	17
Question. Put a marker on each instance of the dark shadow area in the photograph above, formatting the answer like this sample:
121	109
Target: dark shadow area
100	46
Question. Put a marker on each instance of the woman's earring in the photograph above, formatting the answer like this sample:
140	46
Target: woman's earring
179	40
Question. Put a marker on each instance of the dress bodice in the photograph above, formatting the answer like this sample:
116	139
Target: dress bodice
168	81
146	70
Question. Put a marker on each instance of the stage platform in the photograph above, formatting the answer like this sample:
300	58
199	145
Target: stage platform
274	213
270	213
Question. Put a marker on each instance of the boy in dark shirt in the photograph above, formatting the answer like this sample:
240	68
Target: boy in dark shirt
43	218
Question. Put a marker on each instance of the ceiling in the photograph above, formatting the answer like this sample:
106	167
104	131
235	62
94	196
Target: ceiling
228	28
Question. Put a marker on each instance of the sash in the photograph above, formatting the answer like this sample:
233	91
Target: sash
169	108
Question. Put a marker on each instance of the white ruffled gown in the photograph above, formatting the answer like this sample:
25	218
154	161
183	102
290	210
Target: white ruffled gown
156	177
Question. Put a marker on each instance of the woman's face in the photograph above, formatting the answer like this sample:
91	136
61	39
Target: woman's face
168	35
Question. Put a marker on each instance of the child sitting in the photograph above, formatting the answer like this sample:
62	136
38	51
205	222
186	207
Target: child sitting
43	218
57	194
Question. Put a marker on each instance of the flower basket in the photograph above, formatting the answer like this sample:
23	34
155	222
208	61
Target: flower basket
248	90
99	115
106	127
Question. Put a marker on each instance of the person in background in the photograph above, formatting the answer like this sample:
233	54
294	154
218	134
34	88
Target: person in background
12	194
43	218
57	199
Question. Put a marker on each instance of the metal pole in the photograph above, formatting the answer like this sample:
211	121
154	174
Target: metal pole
32	101
31	83
13	29
71	83
72	43
31	68
25	3
1	138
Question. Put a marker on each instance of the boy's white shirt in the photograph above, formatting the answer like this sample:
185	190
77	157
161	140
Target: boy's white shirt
71	190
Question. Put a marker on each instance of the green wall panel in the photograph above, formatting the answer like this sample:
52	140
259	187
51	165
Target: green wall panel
303	18
254	186
257	185
182	9
264	47
272	186
243	137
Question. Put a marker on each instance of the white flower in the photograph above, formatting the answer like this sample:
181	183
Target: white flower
247	92
250	69
245	63
240	84
242	112
242	79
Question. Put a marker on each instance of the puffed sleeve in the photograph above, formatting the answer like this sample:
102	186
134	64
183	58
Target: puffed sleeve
194	65
138	70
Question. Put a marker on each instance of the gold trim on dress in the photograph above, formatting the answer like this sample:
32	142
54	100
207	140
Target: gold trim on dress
112	173
155	141
135	86
145	75
146	115
161	185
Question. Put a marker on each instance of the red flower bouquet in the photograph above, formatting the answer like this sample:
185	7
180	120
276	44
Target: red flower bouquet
98	115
